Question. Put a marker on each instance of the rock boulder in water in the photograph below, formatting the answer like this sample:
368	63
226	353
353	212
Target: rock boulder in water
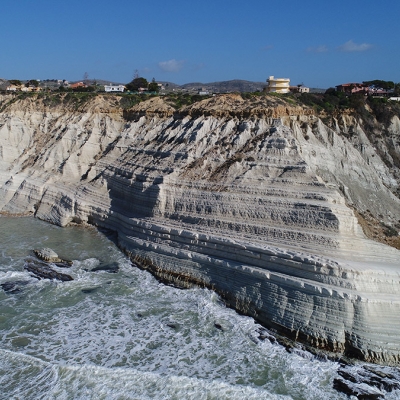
366	382
44	271
90	290
49	255
13	287
110	268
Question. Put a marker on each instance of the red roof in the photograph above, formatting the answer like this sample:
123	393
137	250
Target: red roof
350	84
77	84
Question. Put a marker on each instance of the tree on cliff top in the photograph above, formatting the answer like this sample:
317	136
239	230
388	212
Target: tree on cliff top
385	85
137	83
32	82
153	86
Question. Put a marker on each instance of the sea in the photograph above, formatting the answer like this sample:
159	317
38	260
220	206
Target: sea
124	335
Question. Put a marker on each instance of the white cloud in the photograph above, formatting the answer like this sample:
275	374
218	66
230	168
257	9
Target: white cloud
171	65
350	47
319	49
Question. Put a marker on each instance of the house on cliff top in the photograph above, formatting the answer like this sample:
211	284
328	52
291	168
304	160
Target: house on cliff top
114	88
299	89
363	88
78	85
22	88
350	88
278	85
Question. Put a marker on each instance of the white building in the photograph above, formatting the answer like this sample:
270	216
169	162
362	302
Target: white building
300	89
114	88
203	92
278	85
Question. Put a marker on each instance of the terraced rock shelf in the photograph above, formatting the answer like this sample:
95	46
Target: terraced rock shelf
257	199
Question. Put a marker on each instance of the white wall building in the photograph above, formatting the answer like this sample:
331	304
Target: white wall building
299	89
114	88
278	85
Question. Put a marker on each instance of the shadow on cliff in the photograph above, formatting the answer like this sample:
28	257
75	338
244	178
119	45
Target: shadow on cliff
129	198
136	199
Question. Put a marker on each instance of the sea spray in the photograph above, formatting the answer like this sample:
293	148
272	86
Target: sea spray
125	335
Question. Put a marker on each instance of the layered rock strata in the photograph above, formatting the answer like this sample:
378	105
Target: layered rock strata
251	200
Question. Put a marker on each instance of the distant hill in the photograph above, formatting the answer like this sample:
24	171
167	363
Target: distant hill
235	85
317	90
3	84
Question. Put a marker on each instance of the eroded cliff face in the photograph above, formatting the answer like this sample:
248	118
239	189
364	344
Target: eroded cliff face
252	198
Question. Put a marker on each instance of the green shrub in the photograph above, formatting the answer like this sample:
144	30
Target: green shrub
389	230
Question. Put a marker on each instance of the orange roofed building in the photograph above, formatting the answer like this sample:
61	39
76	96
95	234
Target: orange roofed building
351	88
77	85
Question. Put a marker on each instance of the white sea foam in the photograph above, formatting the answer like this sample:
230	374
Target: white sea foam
175	338
127	336
6	276
44	380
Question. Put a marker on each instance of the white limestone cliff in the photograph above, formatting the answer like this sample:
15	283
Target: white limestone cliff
250	199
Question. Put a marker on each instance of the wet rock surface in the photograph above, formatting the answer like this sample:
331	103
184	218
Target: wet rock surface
64	264
13	287
366	382
48	255
90	290
42	270
265	334
111	268
218	326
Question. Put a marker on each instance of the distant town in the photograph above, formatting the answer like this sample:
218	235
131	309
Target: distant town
139	85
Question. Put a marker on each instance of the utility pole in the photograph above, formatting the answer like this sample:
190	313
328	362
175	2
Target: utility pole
85	78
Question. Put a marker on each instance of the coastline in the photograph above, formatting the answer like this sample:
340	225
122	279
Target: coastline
249	217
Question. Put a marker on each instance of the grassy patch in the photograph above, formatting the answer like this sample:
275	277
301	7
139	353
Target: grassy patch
129	100
179	100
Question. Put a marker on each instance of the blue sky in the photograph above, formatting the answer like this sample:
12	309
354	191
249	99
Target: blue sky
315	42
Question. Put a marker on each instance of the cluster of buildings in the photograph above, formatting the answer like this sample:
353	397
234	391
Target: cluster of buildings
107	88
365	89
23	88
37	85
56	84
282	85
351	88
274	85
112	88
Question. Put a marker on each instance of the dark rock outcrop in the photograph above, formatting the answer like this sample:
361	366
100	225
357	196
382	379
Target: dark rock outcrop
13	287
366	382
44	271
111	268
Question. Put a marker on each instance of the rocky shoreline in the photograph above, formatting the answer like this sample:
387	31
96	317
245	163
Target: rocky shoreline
251	200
